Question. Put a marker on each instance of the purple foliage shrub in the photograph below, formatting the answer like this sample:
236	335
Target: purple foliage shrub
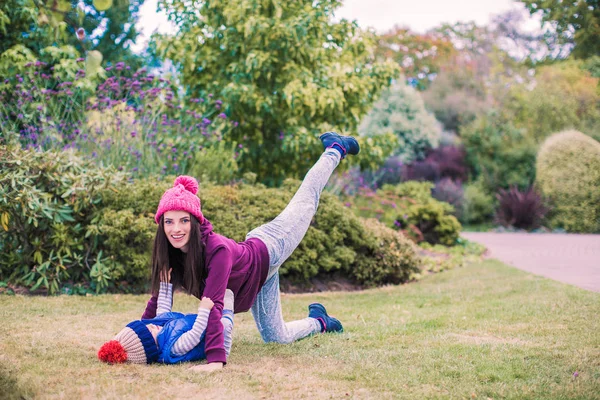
450	192
443	162
522	210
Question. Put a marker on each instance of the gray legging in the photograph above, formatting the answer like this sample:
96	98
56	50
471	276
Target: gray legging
282	236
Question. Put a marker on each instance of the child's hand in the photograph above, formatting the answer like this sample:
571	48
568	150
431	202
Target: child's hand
206	303
165	276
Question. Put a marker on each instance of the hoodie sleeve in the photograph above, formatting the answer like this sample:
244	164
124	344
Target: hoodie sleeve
150	311
219	269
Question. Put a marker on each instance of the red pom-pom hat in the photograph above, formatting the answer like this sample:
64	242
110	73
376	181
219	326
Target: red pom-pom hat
112	352
181	197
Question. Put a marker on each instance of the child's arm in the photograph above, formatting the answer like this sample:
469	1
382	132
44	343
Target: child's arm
165	295
227	321
191	338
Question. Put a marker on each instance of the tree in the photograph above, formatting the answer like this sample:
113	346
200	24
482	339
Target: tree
35	25
284	70
111	32
401	111
420	56
576	22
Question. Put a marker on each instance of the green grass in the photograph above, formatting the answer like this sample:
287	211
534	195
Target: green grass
483	331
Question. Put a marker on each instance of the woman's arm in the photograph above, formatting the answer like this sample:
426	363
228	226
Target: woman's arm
150	311
219	269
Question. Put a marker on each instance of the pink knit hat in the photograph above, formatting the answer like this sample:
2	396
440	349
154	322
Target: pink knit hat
181	197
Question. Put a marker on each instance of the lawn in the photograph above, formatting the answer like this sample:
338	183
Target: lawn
482	331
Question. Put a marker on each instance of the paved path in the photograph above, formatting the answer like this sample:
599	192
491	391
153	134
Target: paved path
568	258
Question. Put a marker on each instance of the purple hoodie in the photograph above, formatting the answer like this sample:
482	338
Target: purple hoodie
241	267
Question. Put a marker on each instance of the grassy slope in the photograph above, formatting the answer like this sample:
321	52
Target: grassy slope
484	331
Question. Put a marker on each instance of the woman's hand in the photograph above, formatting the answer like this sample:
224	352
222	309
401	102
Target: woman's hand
165	276
206	303
207	367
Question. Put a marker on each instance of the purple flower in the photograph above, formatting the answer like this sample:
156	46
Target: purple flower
235	123
348	204
206	121
575	374
133	134
175	167
174	149
223	115
135	169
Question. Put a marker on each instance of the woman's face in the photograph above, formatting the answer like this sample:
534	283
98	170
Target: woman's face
177	228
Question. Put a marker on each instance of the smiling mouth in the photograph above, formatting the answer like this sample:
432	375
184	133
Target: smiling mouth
177	237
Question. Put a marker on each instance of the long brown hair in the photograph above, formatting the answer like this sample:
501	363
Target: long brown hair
188	269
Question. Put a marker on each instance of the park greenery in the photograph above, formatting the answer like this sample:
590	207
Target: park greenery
465	124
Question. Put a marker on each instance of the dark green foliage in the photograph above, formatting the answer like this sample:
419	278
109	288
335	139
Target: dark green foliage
478	206
46	203
499	154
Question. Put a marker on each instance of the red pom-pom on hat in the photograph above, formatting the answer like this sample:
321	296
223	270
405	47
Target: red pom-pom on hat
112	352
190	184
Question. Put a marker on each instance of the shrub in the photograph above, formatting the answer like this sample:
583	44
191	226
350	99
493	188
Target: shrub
568	173
478	206
522	210
336	241
400	110
409	207
392	260
443	162
450	192
450	162
46	203
498	154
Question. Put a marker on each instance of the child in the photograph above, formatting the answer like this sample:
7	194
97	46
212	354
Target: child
169	338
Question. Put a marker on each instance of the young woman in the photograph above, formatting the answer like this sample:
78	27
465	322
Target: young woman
205	263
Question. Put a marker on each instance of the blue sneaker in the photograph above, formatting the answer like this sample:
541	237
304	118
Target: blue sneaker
328	324
344	144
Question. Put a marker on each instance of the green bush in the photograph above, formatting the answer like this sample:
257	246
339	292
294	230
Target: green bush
46	203
401	111
409	207
336	241
391	257
478	206
568	174
499	154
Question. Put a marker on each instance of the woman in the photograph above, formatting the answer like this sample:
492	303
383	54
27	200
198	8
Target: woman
205	263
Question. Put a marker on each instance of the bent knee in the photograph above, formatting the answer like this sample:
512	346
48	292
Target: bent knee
277	338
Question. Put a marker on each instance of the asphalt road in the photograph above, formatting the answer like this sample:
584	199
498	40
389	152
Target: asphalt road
569	258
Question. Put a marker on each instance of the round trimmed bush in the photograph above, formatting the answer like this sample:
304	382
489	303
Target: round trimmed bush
568	174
